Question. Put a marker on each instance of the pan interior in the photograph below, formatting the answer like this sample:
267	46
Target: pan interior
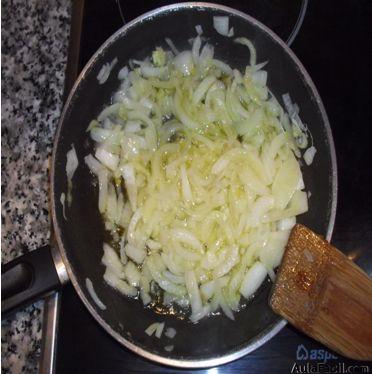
82	234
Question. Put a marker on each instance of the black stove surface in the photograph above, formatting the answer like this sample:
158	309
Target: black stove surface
335	46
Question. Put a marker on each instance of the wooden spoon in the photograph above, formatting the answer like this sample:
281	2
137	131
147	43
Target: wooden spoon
325	295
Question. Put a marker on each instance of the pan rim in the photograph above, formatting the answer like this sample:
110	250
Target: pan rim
273	329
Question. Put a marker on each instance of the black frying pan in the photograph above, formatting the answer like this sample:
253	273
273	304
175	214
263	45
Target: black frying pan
214	340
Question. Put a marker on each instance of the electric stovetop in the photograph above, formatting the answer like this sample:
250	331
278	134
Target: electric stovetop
333	41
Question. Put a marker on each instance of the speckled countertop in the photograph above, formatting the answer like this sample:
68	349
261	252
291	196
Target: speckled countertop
34	53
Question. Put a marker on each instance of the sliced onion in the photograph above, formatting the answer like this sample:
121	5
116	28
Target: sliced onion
159	330
132	274
107	158
186	189
252	49
136	254
196	49
72	163
94	165
62	200
253	279
119	284
152	328
92	293
194	293
172	46
103	187
208	160
130	184
202	89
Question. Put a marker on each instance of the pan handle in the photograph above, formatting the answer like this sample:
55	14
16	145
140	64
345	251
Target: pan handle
28	278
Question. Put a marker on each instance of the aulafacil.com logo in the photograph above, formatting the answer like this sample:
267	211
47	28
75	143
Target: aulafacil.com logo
323	361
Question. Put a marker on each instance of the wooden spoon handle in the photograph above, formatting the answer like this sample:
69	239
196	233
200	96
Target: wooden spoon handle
324	294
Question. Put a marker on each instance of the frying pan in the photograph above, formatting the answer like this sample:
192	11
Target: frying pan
78	250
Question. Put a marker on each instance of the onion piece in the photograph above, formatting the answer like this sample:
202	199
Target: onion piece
105	71
119	284
186	189
103	187
286	223
199	29
136	254
159	330
253	279
107	158
169	348
184	62
170	332
123	73
194	293
72	163
152	328
172	46
62	199
309	155
252	49
196	49
221	25
129	177
202	89
92	293
111	260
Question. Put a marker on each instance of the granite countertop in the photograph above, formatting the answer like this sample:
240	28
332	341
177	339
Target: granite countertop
34	53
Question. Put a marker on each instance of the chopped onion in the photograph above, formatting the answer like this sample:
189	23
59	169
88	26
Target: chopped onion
169	348
92	293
